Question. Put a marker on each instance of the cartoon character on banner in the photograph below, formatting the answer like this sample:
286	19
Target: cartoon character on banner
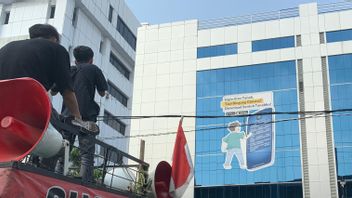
234	143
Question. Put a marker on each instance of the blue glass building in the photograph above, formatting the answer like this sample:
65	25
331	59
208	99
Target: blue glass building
271	93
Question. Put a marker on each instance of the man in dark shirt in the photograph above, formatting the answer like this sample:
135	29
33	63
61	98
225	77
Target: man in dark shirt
87	77
43	59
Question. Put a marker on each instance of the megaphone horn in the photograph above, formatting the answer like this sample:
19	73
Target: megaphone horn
161	180
20	130
24	121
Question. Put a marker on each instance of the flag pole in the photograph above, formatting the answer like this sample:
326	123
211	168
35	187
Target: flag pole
181	120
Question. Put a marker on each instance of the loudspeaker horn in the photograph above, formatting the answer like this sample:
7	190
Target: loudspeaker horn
25	121
161	180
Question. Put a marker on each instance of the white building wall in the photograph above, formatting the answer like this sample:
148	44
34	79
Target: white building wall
165	79
165	82
91	28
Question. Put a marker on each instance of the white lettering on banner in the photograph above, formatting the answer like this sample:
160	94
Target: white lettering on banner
59	192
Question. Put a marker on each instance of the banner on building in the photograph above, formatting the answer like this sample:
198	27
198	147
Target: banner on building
251	142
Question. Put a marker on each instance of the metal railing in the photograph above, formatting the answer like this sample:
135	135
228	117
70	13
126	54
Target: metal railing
247	19
334	7
268	16
111	170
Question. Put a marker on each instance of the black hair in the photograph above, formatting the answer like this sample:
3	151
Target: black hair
83	54
43	31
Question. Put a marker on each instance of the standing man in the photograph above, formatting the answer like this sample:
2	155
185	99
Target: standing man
87	78
42	58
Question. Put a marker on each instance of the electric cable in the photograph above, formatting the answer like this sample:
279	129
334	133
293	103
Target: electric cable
102	118
224	127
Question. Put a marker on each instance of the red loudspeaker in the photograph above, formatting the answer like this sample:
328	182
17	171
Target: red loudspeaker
161	180
24	118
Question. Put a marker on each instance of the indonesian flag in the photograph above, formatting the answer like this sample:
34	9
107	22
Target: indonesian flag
182	167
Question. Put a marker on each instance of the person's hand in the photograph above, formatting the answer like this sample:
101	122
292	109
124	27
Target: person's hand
223	147
92	126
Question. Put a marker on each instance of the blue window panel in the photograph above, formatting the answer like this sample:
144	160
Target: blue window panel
274	43
341	90
218	50
337	36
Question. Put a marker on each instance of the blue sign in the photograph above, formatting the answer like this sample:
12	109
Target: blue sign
260	148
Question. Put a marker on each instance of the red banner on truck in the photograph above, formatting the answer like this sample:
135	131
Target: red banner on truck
23	184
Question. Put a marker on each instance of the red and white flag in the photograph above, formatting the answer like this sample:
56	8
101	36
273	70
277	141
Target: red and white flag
182	166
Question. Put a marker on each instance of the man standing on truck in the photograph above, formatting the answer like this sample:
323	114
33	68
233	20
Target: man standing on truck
87	78
42	58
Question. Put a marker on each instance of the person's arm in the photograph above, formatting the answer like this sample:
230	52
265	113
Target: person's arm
70	102
102	85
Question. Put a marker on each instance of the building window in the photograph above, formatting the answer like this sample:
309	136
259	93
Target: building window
321	38
116	93
113	156
338	36
74	17
52	11
126	33
273	43
119	66
111	11
298	41
114	123
217	50
339	72
7	17
101	45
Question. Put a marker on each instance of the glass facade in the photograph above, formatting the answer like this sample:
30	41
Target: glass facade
340	69
255	83
337	36
288	190
218	50
273	43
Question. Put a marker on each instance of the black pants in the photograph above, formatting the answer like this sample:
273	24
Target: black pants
87	151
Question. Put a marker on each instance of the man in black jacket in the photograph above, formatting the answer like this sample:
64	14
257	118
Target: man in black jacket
42	58
87	78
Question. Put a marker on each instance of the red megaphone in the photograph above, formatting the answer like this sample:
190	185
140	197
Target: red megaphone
24	117
161	180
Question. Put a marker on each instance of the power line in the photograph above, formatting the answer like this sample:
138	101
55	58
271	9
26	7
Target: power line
224	127
102	118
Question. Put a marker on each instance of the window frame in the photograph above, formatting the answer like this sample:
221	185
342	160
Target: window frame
119	65
109	117
120	96
7	17
217	50
273	43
